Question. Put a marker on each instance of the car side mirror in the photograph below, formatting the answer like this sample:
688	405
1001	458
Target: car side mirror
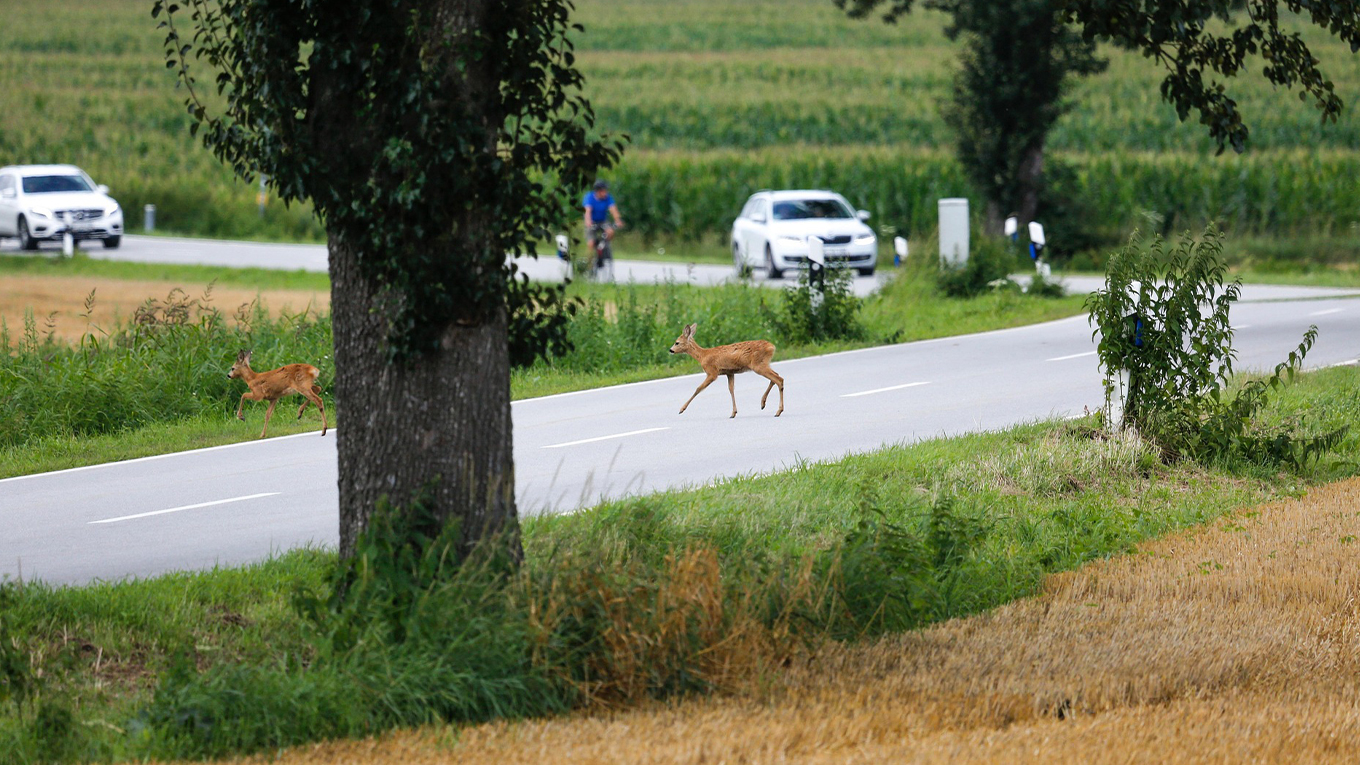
102	188
862	215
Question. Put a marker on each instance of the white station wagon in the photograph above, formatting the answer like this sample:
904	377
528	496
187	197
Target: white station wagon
43	202
773	230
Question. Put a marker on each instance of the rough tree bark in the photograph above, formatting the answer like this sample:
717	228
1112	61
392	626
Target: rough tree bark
438	426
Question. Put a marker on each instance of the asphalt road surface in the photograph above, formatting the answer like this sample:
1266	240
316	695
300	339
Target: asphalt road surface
313	257
232	504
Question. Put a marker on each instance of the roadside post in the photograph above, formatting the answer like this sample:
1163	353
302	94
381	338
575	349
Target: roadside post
1012	228
899	250
263	196
954	232
1037	242
817	267
149	218
68	240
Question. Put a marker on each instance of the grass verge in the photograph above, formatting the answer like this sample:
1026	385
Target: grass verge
621	334
654	597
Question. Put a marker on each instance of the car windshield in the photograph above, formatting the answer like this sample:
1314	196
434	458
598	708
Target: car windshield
800	209
46	184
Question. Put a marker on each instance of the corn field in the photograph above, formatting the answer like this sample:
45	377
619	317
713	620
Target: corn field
719	100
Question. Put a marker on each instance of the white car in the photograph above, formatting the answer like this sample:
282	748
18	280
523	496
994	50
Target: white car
43	202
773	230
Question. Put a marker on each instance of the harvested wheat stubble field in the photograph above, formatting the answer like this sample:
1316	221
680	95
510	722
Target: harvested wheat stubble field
1233	642
61	299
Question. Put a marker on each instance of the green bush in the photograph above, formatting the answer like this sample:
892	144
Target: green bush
1163	320
813	312
988	268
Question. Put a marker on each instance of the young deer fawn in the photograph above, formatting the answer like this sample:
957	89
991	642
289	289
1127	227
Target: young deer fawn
730	360
275	384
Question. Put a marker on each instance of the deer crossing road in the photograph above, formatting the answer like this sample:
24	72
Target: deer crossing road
232	504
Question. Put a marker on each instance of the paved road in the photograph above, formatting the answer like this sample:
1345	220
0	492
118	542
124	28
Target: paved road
313	257
238	503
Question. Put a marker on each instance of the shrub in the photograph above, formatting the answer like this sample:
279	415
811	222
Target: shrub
989	266
829	311
1164	326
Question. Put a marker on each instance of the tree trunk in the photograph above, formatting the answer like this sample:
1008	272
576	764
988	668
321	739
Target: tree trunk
1030	179
438	426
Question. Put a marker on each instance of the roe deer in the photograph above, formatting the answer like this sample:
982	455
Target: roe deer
730	360
275	384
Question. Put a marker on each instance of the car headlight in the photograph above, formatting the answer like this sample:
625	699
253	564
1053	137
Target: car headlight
42	212
113	210
864	239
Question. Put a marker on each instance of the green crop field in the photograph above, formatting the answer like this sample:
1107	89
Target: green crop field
721	99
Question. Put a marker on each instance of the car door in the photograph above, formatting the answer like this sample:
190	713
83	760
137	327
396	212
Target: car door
756	226
9	205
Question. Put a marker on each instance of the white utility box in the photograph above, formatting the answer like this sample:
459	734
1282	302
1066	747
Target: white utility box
954	232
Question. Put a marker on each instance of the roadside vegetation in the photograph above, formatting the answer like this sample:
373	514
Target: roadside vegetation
721	101
155	381
655	597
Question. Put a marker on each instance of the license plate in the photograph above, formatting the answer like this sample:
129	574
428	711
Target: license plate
834	251
81	227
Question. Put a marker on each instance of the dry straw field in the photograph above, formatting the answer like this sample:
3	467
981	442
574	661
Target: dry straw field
1229	643
58	303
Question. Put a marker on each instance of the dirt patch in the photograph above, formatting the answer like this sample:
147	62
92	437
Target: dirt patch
62	298
1230	643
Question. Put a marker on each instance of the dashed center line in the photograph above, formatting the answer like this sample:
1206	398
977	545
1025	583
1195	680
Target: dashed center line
883	390
1329	310
1073	356
603	438
186	507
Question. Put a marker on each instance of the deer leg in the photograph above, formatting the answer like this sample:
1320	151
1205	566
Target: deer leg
732	390
240	408
314	396
699	390
267	414
305	401
764	371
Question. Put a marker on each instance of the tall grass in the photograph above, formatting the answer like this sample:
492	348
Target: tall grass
167	363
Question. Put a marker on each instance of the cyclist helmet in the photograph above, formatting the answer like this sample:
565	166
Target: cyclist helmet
601	184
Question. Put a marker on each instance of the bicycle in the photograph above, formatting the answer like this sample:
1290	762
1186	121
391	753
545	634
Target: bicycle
602	260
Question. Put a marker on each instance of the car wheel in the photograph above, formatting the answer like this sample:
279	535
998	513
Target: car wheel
112	242
739	263
770	270
866	271
26	240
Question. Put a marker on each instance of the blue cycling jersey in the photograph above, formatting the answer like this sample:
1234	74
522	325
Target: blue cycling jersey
599	208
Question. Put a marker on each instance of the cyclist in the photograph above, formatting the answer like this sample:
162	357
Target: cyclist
599	206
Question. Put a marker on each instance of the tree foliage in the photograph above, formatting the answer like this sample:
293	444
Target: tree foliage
1197	42
456	143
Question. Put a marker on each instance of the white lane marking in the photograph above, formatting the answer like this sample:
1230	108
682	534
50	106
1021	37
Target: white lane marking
1073	356
883	390
186	507
603	438
1240	326
1351	363
253	442
1329	310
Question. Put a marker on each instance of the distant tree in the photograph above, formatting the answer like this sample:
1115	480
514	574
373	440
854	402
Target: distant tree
1019	54
432	138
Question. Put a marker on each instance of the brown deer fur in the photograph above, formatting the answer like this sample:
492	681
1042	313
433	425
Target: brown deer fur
275	384
730	360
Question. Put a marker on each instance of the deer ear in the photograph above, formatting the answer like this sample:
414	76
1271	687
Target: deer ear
689	330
